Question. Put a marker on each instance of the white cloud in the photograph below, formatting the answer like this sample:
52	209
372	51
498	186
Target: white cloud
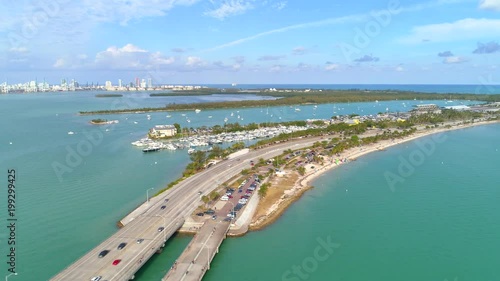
490	5
335	21
194	61
300	50
454	59
279	5
19	50
230	8
331	66
465	29
60	63
130	57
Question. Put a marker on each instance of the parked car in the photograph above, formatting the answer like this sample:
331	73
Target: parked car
214	217
102	254
240	190
224	198
122	245
115	262
200	214
209	212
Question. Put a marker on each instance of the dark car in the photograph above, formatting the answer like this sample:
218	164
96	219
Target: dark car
209	212
160	229
240	190
103	253
163	207
122	245
227	219
200	214
166	200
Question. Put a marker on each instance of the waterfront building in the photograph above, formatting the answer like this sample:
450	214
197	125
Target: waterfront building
161	131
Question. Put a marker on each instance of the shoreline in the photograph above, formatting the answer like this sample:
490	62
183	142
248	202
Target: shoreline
303	183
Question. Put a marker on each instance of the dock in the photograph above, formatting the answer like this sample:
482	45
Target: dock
196	258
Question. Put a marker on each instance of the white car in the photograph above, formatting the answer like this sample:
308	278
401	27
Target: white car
224	198
243	201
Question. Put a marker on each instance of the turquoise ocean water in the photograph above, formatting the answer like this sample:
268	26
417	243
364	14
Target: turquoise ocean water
442	222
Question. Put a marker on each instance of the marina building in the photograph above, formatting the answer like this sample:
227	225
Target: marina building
160	131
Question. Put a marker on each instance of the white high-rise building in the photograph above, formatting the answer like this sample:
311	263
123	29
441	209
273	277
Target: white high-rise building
143	83
150	84
108	85
119	83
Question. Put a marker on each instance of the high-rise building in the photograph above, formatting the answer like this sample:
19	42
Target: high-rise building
150	84
137	82
119	83
143	83
108	85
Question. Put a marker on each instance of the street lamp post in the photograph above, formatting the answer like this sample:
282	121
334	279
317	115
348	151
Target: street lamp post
147	194
164	225
7	276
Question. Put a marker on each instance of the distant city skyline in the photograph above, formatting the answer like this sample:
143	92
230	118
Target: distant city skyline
252	42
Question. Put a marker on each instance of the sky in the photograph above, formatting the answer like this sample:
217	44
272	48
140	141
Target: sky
251	41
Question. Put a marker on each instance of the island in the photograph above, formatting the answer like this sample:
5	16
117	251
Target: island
103	122
296	97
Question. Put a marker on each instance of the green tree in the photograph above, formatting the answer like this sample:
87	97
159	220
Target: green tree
301	170
263	190
178	128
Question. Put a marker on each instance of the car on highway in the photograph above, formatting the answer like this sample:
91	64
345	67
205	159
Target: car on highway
166	200
122	245
160	229
115	262
139	241
163	207
97	278
199	192
102	254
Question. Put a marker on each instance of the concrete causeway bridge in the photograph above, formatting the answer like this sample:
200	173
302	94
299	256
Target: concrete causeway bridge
195	260
146	230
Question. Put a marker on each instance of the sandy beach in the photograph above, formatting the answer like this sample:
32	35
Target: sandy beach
303	183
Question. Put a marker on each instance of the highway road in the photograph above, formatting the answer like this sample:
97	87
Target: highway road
183	199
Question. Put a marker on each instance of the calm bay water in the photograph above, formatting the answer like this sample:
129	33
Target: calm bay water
62	217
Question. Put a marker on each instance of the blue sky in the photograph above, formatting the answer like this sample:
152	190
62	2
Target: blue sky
252	41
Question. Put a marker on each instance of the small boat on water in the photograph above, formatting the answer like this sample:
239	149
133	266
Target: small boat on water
151	149
197	110
168	116
71	133
191	150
